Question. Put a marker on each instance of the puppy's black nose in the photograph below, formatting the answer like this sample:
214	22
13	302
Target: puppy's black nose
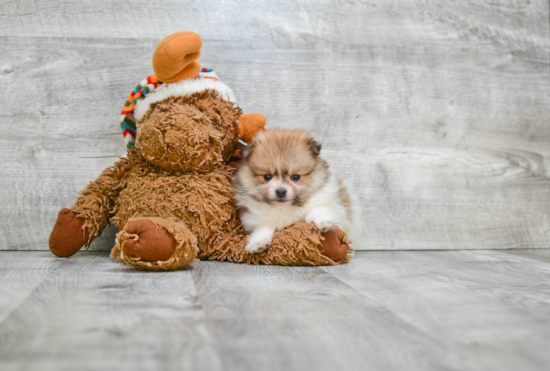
280	192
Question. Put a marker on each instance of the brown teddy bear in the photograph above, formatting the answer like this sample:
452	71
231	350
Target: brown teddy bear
171	197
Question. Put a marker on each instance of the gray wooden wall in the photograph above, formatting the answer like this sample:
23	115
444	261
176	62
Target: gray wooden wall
437	112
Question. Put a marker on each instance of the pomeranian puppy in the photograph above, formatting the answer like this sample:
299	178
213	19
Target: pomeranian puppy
282	180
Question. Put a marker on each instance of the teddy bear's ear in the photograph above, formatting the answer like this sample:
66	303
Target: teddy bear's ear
175	57
249	125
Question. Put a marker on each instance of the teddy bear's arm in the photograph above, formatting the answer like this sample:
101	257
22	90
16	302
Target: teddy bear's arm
86	219
97	200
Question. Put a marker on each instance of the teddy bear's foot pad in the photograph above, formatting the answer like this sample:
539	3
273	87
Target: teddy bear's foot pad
151	242
335	245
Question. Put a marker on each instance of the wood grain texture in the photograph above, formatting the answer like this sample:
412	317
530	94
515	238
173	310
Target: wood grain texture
92	314
435	112
542	254
490	303
418	310
276	318
21	275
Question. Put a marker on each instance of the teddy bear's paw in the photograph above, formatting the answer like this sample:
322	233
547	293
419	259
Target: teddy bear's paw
68	234
335	245
259	241
151	242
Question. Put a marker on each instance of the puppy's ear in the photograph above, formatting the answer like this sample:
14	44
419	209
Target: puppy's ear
247	151
314	147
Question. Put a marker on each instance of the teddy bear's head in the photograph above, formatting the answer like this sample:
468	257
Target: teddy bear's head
189	133
192	122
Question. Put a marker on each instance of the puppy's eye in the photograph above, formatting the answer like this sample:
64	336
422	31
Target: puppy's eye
295	177
268	177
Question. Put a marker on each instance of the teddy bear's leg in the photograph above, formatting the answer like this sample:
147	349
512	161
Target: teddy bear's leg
303	244
155	244
300	244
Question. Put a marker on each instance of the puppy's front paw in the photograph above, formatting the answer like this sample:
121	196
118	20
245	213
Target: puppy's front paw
323	219
325	225
259	240
258	246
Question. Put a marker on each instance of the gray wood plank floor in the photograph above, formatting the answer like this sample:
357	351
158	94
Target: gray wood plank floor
436	112
386	310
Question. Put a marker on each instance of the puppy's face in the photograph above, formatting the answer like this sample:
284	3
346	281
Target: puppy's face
281	167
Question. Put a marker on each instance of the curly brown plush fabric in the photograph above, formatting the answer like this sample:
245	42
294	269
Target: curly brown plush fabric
177	178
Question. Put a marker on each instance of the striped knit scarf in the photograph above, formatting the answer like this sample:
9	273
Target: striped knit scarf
144	88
